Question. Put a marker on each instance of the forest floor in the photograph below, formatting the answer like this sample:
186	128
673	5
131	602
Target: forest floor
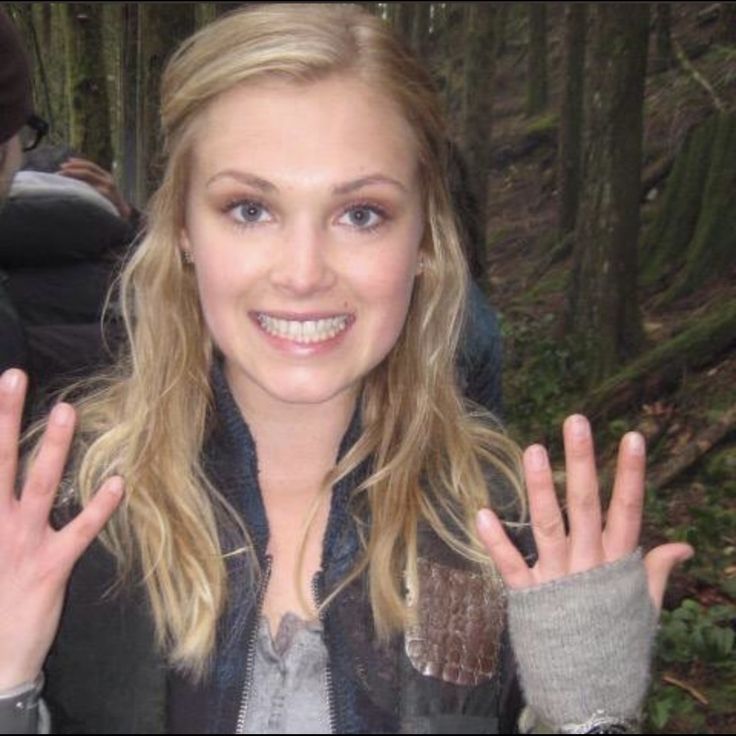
694	687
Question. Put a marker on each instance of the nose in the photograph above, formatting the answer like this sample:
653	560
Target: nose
302	265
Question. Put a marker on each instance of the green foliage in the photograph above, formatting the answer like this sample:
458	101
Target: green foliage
692	632
692	637
667	703
542	374
711	527
697	644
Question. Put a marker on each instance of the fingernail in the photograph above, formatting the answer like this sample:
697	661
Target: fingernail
483	519
11	380
115	486
62	415
580	428
636	443
537	457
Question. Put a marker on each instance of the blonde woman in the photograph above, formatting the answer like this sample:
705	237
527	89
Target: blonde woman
297	546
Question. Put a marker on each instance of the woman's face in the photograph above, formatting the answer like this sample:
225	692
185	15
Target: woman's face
303	219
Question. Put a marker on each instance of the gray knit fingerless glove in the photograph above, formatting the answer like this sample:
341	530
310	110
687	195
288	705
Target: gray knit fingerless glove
583	644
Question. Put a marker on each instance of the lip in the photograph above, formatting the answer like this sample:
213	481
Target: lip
300	349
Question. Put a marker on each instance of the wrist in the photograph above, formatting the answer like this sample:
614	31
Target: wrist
583	644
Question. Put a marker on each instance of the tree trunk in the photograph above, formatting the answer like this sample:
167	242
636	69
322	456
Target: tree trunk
478	88
712	251
86	83
112	36
129	75
453	31
603	311
702	341
420	29
726	31
161	28
693	452
57	78
501	30
401	15
536	84
42	44
665	241
663	48
204	13
571	117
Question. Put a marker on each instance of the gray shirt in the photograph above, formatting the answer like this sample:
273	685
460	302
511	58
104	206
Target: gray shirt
289	687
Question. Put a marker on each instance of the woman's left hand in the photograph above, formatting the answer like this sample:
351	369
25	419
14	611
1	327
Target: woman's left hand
589	543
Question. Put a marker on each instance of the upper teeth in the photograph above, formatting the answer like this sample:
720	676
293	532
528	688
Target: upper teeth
307	331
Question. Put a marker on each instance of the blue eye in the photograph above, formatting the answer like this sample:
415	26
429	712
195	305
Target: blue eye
365	217
247	212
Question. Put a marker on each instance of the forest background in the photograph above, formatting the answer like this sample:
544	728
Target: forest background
599	202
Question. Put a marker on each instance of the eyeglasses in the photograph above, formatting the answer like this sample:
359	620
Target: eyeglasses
32	132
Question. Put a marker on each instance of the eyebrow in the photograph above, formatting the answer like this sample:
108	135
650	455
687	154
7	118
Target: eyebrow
245	177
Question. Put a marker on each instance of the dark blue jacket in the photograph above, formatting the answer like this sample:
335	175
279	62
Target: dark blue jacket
453	673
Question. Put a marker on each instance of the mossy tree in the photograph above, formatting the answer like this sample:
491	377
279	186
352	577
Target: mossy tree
571	117
712	250
663	57
161	27
204	13
536	82
693	236
477	108
89	129
726	31
603	313
128	75
666	239
451	32
502	28
401	17
420	28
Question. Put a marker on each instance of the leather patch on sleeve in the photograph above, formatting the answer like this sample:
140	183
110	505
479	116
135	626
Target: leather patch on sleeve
460	618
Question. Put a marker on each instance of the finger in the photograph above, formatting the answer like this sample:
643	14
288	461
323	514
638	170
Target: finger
583	502
507	559
659	564
12	394
47	468
623	521
78	534
84	163
90	177
546	517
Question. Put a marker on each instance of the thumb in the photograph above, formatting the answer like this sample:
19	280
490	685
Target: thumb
659	563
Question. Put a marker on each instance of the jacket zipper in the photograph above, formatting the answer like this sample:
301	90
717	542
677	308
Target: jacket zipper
250	664
328	670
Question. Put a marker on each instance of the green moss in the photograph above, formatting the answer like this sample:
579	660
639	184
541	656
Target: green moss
542	124
712	250
665	241
704	336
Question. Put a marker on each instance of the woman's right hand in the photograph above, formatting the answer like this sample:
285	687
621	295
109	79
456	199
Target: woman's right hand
35	559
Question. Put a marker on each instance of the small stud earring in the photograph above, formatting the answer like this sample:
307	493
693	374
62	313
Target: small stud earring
422	264
187	256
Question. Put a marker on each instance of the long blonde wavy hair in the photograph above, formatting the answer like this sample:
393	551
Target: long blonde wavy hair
430	456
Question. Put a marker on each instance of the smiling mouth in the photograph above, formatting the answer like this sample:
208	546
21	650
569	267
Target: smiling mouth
303	331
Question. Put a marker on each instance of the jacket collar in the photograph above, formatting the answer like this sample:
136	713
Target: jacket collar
232	461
